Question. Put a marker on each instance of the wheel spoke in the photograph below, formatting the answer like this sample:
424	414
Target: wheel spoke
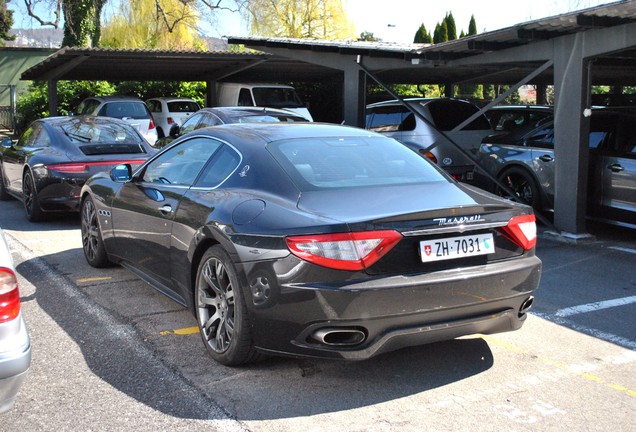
215	303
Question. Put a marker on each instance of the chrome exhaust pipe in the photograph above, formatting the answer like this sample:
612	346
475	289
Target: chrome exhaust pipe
334	336
526	305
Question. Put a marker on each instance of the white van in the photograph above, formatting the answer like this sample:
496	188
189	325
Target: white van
264	95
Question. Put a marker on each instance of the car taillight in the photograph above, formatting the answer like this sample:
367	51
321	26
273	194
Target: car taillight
428	155
151	124
344	251
522	230
9	295
78	167
170	120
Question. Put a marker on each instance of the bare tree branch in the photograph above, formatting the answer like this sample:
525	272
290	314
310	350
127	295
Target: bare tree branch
31	5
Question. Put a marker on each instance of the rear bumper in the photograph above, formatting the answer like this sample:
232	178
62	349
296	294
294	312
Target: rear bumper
395	312
15	359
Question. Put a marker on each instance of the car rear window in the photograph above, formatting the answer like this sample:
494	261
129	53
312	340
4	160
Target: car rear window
182	106
95	137
323	163
135	110
390	118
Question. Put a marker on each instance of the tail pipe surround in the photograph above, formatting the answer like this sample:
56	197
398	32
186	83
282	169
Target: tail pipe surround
526	305
339	336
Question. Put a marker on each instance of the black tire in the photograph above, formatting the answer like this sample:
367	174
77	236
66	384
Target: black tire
221	312
30	199
523	184
160	133
92	241
4	195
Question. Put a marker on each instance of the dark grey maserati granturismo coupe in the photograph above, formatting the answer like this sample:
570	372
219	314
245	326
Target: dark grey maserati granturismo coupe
313	240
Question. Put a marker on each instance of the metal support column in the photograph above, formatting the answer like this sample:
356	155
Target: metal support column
52	95
354	94
571	135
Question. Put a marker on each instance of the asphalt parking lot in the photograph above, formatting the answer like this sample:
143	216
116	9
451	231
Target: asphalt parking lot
109	353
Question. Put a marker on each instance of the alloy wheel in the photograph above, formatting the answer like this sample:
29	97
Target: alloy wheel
216	305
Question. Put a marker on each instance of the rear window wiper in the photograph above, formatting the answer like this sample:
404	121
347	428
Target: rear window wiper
77	136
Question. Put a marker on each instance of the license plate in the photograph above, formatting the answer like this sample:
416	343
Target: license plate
456	247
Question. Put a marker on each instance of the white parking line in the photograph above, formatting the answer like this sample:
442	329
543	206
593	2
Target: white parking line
590	307
623	249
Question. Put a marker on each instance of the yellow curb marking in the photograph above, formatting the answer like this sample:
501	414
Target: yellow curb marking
562	366
183	331
94	279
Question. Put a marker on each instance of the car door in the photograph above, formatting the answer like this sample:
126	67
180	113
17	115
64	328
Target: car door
143	210
615	162
541	146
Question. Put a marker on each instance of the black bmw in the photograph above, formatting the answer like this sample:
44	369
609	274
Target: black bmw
313	240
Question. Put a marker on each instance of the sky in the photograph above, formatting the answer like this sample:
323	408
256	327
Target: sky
398	20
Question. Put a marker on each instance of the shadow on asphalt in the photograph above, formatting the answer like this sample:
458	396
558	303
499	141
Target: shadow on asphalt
119	354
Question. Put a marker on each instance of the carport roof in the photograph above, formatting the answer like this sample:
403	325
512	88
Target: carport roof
469	50
153	65
454	61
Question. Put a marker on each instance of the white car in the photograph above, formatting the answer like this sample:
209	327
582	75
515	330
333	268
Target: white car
170	111
128	108
15	345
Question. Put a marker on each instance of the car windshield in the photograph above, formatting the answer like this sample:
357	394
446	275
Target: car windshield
276	97
95	137
324	163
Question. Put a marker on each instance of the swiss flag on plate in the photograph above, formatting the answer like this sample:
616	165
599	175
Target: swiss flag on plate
427	250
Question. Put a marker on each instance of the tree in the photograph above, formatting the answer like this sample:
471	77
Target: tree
319	19
150	24
82	26
472	26
441	33
451	28
6	22
368	37
422	35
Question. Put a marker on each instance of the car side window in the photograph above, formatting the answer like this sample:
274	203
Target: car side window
181	165
87	106
224	163
208	119
154	106
245	98
35	136
543	138
190	124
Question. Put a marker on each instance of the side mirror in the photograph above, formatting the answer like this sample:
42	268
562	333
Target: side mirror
6	142
121	173
174	130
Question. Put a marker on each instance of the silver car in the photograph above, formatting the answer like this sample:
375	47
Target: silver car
393	119
15	345
524	161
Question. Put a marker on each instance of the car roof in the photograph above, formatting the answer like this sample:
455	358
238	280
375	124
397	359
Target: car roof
58	120
416	100
252	133
522	107
115	98
171	99
237	110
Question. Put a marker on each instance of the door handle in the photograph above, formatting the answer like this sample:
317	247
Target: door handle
165	209
616	167
546	158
